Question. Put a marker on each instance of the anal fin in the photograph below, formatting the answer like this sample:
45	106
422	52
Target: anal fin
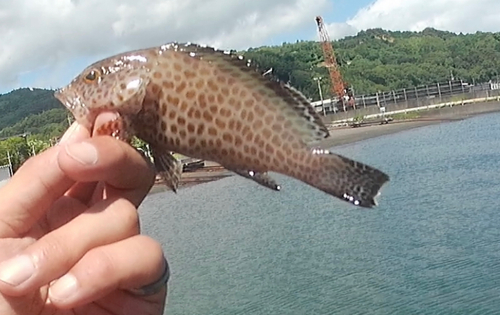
168	168
260	178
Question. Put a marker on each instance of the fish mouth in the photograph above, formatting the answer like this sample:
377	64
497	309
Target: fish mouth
73	103
62	96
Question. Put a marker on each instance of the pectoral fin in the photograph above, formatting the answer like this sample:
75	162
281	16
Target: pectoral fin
168	168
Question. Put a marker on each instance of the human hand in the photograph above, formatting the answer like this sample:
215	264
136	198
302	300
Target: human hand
69	232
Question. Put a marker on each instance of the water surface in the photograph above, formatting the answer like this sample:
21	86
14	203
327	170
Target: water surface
431	247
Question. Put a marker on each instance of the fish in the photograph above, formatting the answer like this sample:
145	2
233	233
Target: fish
216	105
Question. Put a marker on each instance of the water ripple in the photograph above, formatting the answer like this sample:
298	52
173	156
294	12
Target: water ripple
432	247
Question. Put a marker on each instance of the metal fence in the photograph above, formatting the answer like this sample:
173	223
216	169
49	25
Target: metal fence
441	92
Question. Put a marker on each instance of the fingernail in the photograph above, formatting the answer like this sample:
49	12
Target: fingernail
69	133
83	152
64	288
16	270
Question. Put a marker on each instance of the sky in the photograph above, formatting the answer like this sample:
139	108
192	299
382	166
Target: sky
45	43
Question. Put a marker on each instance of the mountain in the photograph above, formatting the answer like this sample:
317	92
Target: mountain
373	60
380	60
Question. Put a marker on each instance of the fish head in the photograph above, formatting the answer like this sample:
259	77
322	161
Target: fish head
115	84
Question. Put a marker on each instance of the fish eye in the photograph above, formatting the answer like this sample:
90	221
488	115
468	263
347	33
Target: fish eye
92	75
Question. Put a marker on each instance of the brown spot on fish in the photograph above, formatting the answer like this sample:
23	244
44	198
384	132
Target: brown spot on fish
168	85
202	101
182	85
258	124
269	119
220	123
238	141
191	94
238	126
277	128
191	128
189	74
243	114
207	116
227	137
235	90
181	120
269	149
250	116
173	128
221	80
213	86
266	133
201	128
212	131
204	71
157	75
197	114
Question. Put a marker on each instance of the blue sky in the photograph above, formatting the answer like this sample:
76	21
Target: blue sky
46	46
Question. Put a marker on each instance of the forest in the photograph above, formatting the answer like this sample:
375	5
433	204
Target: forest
373	60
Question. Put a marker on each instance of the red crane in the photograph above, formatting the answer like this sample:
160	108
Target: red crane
338	87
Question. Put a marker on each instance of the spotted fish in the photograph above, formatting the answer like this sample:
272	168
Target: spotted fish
216	105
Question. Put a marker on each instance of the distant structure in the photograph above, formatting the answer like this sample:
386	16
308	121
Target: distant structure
338	86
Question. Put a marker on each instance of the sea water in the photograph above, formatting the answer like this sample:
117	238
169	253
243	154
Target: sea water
432	246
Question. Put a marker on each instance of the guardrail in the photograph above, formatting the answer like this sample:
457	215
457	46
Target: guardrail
425	107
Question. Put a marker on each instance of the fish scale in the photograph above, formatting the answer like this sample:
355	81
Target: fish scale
215	105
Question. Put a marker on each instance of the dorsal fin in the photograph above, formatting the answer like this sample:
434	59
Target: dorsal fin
306	121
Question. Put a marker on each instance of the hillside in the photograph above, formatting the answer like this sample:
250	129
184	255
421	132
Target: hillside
379	60
373	60
18	104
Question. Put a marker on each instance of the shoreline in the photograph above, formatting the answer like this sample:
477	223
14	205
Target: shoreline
347	135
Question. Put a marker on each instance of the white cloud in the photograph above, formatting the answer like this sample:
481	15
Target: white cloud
50	33
415	15
340	30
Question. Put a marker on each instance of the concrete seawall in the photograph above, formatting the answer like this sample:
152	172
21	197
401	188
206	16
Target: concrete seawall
440	111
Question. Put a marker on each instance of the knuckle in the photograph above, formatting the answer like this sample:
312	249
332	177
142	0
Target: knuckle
50	249
127	214
101	263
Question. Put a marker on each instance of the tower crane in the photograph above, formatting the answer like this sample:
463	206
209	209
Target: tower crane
338	86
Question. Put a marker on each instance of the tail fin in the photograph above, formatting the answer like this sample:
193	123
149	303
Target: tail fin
344	178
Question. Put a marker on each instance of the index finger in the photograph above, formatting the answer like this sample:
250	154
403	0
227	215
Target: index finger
104	159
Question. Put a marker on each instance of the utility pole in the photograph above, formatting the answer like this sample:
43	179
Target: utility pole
318	80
